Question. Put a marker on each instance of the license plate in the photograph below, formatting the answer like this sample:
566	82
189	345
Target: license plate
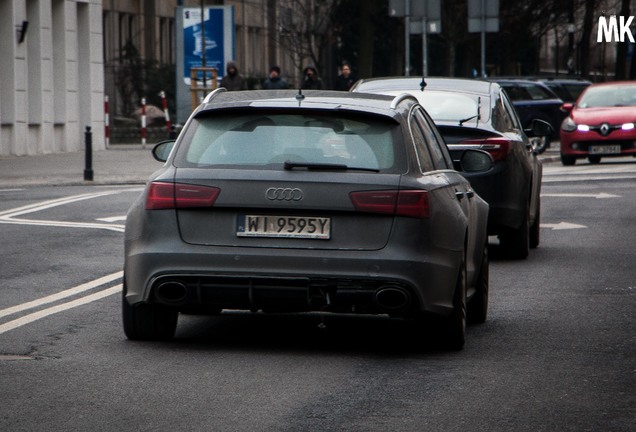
284	226
605	149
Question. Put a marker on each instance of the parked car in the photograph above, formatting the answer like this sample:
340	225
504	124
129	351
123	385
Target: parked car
568	89
477	114
285	202
600	124
534	101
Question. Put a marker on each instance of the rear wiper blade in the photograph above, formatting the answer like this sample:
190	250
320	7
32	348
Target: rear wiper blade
311	166
477	116
462	121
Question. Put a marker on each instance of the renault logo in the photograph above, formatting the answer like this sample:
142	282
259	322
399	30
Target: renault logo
605	129
284	194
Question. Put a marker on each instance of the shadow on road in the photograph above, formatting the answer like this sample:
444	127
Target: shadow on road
308	332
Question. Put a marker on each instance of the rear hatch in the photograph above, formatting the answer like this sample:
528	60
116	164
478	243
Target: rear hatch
286	209
286	178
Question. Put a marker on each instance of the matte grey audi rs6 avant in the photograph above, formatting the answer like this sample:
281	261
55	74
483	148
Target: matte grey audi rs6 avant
278	201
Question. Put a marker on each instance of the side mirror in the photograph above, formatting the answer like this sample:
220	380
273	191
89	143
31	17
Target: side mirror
567	107
474	161
539	128
161	151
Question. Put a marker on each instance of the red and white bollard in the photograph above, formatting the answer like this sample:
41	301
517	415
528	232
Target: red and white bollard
166	114
106	123
143	123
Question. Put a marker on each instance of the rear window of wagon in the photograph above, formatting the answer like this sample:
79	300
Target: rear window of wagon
263	139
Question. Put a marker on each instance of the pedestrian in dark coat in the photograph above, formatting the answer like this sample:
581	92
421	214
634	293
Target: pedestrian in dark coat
346	78
311	81
275	81
232	81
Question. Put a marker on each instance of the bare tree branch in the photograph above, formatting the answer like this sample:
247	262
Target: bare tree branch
304	29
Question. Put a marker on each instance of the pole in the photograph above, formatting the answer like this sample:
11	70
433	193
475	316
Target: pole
407	37
424	47
106	122
166	114
88	153
203	47
143	123
483	38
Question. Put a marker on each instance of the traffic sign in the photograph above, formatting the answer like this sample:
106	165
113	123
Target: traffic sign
429	9
483	16
432	27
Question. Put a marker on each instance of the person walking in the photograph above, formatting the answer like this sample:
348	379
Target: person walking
275	81
311	80
232	81
346	79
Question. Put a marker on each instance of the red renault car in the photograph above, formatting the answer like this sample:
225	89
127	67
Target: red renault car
602	123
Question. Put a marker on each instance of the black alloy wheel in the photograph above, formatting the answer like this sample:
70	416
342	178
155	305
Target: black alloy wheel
455	328
478	305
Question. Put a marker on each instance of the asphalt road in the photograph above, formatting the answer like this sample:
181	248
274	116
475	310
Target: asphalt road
558	352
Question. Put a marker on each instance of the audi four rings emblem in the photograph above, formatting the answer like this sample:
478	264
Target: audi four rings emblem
284	194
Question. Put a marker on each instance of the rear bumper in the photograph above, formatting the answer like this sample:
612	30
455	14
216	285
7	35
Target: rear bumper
386	281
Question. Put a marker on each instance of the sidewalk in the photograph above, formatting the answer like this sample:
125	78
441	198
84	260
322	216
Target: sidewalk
120	164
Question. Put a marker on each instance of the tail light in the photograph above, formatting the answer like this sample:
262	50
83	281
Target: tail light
412	203
163	195
497	147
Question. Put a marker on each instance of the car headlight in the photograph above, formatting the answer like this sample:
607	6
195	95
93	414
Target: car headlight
628	126
568	125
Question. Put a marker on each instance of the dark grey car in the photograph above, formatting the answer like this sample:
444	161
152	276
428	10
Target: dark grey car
280	202
477	114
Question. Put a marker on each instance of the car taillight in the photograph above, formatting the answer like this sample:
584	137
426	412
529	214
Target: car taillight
162	195
413	203
497	147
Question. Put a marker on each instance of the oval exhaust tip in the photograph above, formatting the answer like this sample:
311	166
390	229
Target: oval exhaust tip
392	298
171	292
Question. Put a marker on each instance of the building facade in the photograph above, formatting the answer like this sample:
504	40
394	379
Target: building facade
149	27
61	60
51	75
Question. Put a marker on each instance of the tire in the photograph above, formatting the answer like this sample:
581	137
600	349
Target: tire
567	160
478	305
535	229
515	242
148	321
454	332
594	159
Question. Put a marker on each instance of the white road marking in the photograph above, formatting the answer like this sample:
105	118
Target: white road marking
601	195
11	216
31	208
562	226
110	227
62	294
11	325
112	219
